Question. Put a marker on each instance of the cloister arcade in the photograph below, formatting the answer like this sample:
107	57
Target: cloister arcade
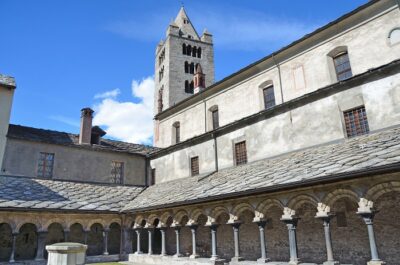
352	222
349	224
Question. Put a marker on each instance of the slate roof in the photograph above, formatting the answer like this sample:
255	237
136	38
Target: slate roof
352	155
26	193
69	139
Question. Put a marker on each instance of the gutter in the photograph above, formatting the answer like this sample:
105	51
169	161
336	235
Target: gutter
391	168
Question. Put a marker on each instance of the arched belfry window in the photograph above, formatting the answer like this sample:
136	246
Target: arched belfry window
192	68
199	52
184	49
187	87
160	99
189	50
194	52
186	67
340	63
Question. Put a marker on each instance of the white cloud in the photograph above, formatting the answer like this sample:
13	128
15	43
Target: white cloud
108	94
128	121
65	120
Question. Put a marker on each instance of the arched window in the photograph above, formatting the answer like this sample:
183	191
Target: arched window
194	53
189	50
199	52
184	49
394	36
186	67
192	68
191	87
341	63
160	99
269	97
176	132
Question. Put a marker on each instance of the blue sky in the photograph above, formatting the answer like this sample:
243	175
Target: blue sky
69	54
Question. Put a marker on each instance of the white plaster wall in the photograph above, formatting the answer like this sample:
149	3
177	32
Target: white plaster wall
368	47
313	124
6	99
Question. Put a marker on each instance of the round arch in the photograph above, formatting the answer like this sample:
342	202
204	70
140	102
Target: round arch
26	242
338	194
297	201
380	189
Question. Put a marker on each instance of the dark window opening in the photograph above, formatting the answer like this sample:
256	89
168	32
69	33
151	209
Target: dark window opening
194	53
189	87
189	50
269	97
160	100
184	49
194	165
356	122
215	119
342	66
45	165
153	177
177	128
240	153
186	67
192	68
199	52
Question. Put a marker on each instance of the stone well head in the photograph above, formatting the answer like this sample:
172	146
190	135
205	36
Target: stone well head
66	254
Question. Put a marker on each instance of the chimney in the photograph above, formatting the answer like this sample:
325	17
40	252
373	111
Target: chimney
199	80
85	134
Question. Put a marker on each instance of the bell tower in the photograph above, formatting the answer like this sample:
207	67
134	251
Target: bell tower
177	59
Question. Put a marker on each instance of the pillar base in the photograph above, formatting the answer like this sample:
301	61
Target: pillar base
106	253
178	255
334	262
214	258
376	262
237	259
263	260
294	262
138	253
196	256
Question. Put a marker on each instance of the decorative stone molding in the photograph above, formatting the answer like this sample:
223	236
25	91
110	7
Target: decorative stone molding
288	214
323	210
365	206
258	217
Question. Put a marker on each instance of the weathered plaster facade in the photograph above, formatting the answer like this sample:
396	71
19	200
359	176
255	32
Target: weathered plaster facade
7	87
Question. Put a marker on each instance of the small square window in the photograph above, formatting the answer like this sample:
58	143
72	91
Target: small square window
194	165
356	122
45	165
240	153
117	172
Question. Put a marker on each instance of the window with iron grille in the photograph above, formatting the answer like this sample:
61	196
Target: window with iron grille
215	119
117	172
356	122
240	153
269	97
45	165
194	165
342	66
153	177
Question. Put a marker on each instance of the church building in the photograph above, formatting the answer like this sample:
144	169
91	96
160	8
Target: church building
294	159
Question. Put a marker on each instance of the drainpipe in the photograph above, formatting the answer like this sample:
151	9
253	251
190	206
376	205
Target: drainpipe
205	116
280	76
215	152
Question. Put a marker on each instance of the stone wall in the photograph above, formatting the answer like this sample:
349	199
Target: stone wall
71	163
6	99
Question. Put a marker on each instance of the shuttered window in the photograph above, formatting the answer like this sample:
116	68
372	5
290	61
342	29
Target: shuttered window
240	153
194	165
117	172
45	165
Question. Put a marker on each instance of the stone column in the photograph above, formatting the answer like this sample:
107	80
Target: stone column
41	245
66	235
177	233
235	227
291	220
14	238
86	232
127	240
261	227
213	229
138	251
367	213
193	229
163	251
105	239
325	215
150	233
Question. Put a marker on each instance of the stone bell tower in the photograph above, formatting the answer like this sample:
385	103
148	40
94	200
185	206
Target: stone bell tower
177	58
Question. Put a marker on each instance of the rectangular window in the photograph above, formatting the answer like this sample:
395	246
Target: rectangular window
45	165
356	122
215	119
240	153
269	97
153	177
177	133
117	172
342	66
194	165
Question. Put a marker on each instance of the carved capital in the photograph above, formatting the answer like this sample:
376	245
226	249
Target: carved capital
324	211
365	206
288	214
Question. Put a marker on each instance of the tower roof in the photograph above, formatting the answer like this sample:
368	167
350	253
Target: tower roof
185	25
